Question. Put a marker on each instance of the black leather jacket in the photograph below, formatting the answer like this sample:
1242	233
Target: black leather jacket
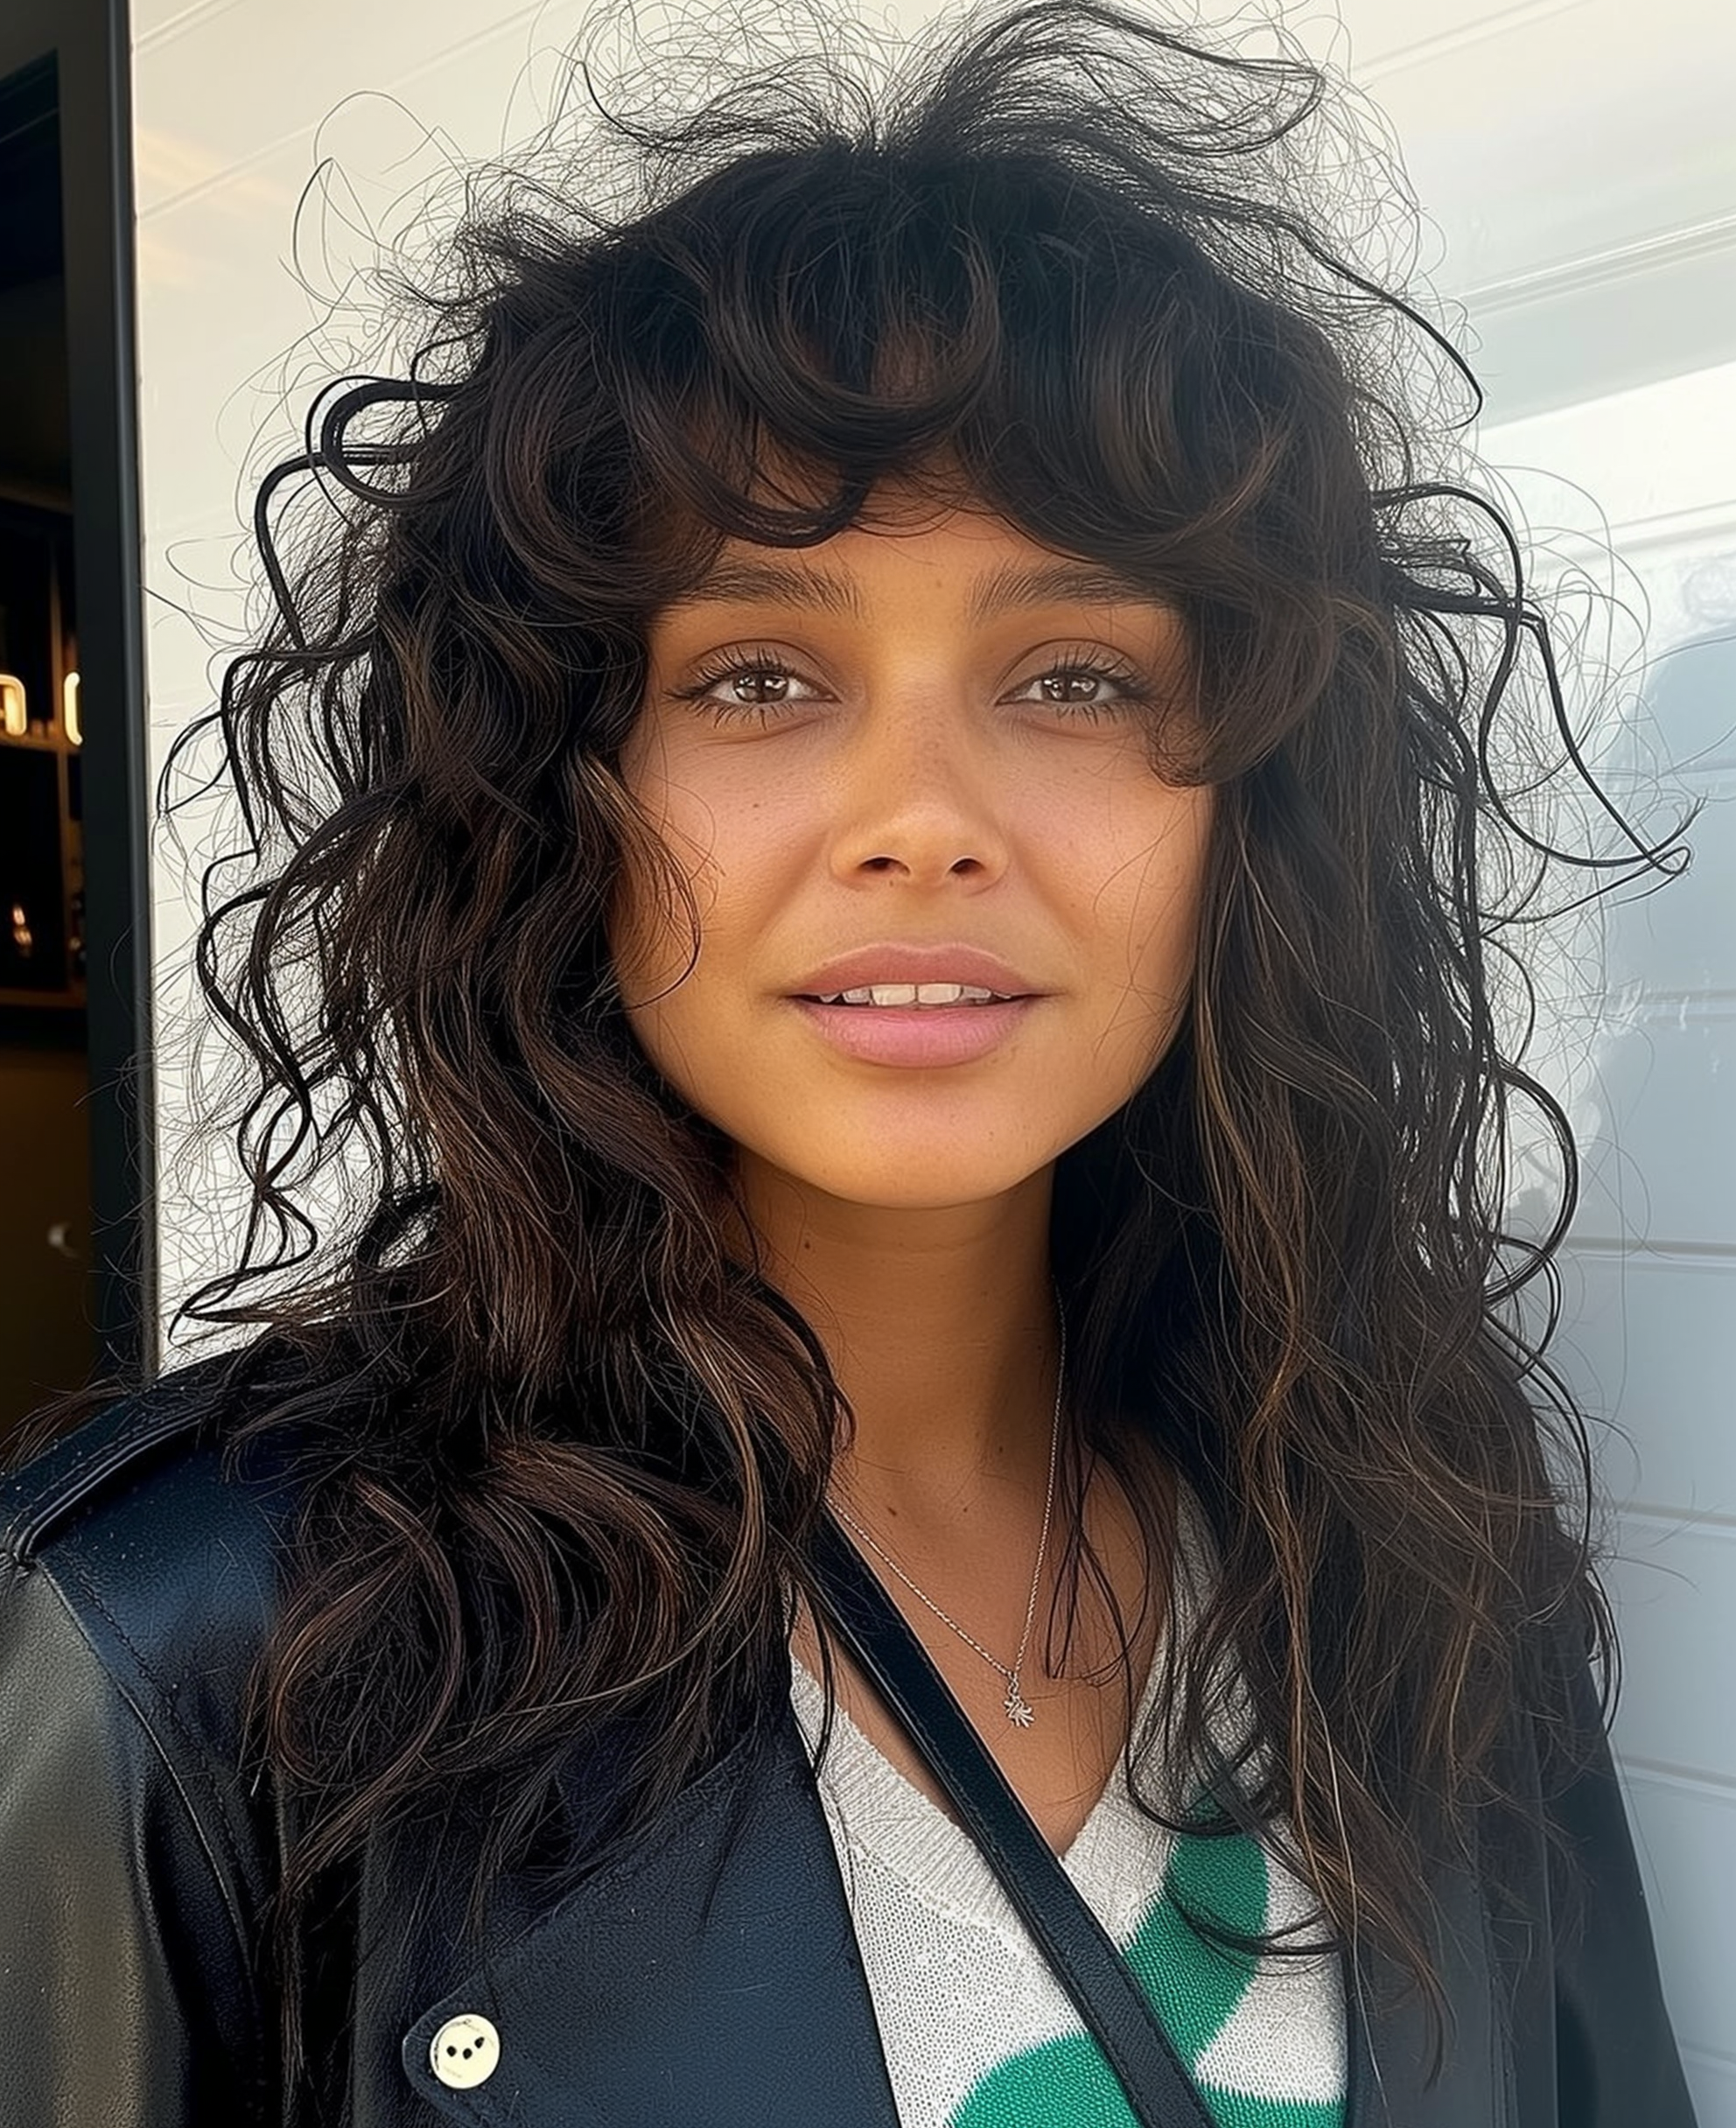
705	1977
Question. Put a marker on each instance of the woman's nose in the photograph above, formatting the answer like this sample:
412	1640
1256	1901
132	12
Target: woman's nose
916	797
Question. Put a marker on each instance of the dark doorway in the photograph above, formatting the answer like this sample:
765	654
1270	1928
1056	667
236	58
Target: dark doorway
76	1247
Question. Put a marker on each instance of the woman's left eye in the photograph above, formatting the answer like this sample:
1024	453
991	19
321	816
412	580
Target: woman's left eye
1084	688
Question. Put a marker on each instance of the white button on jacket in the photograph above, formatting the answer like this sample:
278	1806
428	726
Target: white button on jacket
465	2052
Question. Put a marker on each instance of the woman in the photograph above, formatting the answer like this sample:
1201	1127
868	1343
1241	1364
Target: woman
873	819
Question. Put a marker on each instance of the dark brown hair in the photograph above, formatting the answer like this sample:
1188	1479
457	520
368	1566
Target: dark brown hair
562	1454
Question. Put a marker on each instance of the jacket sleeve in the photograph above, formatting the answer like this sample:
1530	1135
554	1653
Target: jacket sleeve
126	1999
1616	2063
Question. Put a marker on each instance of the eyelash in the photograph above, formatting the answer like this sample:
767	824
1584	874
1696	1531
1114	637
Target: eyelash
758	662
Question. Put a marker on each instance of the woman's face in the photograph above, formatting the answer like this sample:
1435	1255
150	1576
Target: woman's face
915	755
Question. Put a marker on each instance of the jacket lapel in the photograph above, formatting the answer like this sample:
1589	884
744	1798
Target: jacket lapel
710	1975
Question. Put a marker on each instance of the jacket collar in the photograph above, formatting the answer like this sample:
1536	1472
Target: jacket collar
711	1974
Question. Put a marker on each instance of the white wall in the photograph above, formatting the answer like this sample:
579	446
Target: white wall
1578	162
1649	1271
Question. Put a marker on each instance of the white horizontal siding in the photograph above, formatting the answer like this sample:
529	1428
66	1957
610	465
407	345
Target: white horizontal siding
1674	1586
298	63
1649	1344
1660	1159
1648	1069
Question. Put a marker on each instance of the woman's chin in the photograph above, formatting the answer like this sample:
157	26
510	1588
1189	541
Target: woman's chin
909	1176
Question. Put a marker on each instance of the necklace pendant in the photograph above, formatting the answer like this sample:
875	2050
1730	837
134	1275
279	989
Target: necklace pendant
1020	1712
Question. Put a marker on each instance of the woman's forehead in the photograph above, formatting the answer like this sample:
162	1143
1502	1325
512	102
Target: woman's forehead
1006	569
1009	565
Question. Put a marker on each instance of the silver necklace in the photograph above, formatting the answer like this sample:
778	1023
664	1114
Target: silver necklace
1019	1709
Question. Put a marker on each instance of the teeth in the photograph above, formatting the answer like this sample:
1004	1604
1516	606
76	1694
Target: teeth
915	993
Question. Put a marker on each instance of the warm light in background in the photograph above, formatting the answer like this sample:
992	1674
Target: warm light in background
14	711
69	708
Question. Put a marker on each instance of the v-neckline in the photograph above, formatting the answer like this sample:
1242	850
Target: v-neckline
913	1834
869	1774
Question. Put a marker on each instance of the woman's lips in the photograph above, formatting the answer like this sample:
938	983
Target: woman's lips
917	1036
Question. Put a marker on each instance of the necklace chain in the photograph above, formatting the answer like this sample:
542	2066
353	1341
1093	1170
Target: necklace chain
1018	1709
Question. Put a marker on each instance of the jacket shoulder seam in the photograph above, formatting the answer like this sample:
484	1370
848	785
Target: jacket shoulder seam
38	1500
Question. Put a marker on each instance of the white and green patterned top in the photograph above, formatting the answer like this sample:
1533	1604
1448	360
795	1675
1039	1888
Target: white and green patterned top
977	2033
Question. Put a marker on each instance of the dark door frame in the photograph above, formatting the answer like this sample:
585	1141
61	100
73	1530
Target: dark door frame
90	42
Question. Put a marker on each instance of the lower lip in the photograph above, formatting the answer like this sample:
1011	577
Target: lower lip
916	1036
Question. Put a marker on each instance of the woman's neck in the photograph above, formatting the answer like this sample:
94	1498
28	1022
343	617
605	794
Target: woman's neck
940	1328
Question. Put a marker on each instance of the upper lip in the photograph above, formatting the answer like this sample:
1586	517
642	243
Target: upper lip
869	965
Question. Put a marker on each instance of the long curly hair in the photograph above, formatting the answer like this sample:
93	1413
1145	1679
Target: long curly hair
562	1453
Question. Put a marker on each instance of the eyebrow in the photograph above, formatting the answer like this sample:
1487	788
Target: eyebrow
1006	588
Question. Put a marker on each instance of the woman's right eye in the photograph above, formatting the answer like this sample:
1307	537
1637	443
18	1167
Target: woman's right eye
735	685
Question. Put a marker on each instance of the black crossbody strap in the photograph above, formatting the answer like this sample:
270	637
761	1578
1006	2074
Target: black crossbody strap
1075	1943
